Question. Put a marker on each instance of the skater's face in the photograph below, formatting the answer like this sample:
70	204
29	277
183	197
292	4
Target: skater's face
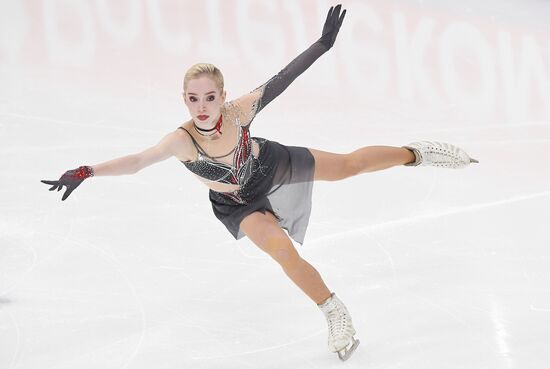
204	100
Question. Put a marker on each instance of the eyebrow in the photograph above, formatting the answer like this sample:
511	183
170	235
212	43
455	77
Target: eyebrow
208	93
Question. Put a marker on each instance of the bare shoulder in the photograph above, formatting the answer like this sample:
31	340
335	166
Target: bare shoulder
181	142
174	144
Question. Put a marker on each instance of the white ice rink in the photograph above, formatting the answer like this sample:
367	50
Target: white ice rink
438	268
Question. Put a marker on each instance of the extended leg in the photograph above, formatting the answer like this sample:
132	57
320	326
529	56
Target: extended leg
333	167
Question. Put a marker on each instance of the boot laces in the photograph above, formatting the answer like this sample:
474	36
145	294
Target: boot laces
337	320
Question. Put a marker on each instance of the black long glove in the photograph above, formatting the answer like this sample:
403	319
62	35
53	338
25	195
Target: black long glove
332	25
277	84
71	179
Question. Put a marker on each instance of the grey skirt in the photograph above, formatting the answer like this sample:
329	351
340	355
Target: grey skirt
281	183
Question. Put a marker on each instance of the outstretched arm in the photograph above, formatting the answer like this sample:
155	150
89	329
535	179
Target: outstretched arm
277	84
256	100
168	146
131	164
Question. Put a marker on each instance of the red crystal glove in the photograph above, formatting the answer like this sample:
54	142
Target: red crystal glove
72	179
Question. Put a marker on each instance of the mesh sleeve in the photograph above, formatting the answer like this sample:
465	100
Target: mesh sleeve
278	83
244	109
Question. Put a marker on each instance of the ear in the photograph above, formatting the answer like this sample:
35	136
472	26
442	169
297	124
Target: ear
184	97
223	96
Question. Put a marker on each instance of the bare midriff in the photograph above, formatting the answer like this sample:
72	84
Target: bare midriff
219	187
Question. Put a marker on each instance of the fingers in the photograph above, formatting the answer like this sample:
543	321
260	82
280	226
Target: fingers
337	9
67	193
329	15
70	188
57	186
334	15
54	184
341	18
332	25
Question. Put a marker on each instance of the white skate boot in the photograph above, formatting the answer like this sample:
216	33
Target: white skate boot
439	154
340	327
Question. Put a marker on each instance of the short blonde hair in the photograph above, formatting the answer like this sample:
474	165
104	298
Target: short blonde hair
200	69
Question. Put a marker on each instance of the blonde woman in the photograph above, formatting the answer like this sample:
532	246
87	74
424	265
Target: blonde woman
259	188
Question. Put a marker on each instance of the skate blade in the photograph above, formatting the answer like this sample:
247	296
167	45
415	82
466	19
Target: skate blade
346	353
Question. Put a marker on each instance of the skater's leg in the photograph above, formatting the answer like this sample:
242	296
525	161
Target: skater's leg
334	167
265	232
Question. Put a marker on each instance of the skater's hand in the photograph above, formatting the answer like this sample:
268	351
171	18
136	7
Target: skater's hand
71	179
332	25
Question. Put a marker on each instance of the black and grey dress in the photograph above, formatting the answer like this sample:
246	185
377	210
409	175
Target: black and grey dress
279	179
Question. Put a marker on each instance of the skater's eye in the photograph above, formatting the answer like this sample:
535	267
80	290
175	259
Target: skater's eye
192	99
211	98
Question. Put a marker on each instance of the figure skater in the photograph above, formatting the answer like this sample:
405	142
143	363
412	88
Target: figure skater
259	187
